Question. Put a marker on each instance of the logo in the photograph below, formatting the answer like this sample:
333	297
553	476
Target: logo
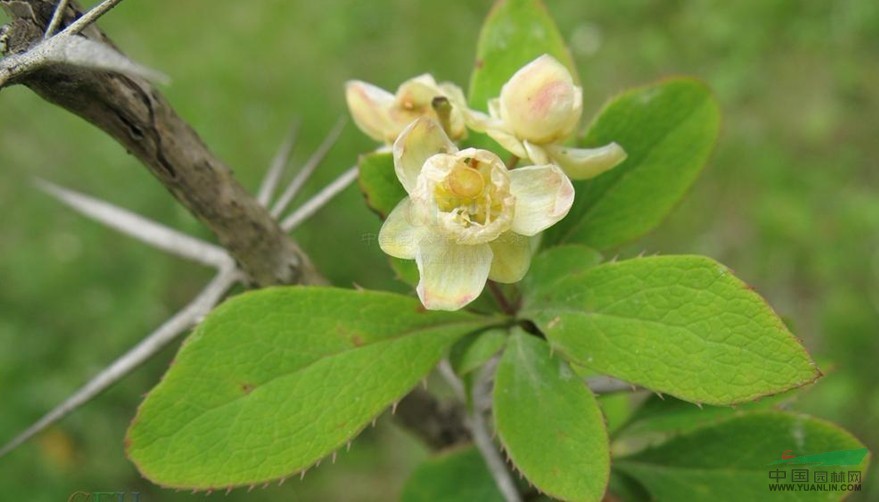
840	457
82	496
820	472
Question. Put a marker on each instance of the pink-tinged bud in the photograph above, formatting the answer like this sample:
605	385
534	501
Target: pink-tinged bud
540	102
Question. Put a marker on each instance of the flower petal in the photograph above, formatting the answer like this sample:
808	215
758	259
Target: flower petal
508	141
417	92
452	275
421	140
512	257
536	153
398	236
585	163
544	195
370	106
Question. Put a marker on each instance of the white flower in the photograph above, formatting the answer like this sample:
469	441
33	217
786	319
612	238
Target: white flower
539	107
383	116
467	217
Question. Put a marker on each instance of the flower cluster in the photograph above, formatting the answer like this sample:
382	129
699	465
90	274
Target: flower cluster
467	217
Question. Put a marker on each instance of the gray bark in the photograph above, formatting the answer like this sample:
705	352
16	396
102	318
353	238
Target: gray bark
137	116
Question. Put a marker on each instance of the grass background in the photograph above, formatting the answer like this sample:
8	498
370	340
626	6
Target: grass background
789	200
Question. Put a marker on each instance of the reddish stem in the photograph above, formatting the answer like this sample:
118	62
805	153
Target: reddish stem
501	299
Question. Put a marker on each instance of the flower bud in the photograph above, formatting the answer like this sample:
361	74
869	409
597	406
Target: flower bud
540	102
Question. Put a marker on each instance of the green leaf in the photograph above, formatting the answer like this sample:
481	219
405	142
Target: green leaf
383	191
625	488
617	408
515	33
476	349
274	380
406	271
456	476
663	416
379	183
549	422
682	325
731	460
556	263
668	131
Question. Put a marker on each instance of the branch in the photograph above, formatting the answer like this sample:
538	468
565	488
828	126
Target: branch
137	116
437	424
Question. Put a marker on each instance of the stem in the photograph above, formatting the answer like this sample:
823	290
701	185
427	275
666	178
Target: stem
479	428
506	306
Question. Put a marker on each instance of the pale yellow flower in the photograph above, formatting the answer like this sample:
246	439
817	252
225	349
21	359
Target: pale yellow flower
539	108
467	218
383	116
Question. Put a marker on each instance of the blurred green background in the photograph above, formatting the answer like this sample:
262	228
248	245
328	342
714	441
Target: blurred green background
789	200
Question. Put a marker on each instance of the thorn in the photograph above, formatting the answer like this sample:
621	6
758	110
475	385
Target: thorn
699	405
228	490
317	464
394	408
302	474
194	491
348	447
660	396
89	17
320	199
279	163
266	485
250	488
208	492
281	481
334	457
144	350
424	383
373	421
57	16
308	168
133	225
